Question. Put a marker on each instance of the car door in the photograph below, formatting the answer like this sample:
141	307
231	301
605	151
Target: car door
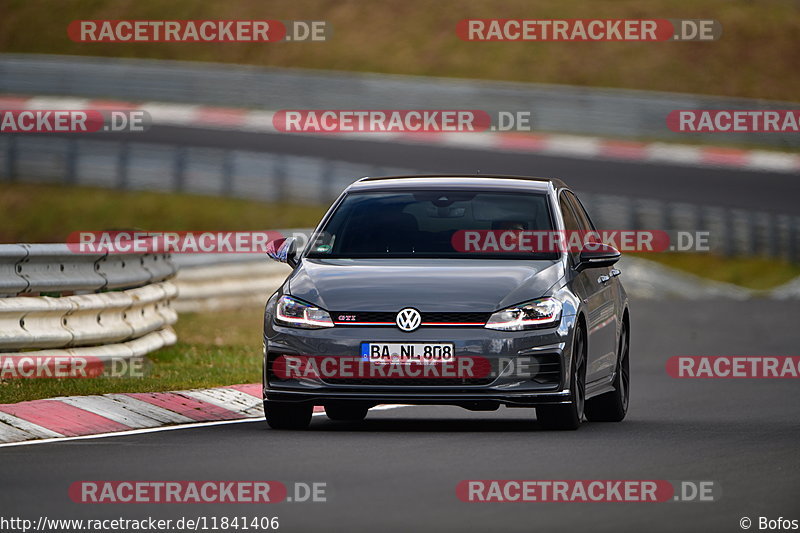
597	286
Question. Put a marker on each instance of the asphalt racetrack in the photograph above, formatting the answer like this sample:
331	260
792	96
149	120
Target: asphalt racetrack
398	470
725	187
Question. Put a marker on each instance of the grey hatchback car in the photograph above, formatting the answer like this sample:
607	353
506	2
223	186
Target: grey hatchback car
449	290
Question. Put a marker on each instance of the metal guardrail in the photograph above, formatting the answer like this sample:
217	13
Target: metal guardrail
88	318
228	285
208	282
731	232
85	320
270	177
553	108
197	260
275	177
54	268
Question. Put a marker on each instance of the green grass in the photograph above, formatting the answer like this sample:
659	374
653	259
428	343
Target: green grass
214	350
757	55
759	273
49	213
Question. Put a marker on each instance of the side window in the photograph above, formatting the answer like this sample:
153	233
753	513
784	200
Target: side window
570	221
583	217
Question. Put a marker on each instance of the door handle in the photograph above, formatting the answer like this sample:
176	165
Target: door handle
603	279
615	272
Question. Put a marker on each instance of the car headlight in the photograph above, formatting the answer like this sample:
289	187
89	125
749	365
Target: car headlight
298	314
544	312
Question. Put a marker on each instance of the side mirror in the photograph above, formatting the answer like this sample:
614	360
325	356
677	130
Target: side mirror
596	255
283	251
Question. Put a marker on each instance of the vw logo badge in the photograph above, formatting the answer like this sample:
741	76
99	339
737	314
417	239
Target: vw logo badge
408	319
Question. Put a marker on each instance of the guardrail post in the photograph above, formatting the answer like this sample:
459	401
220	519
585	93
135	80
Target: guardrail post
279	177
179	168
11	158
633	214
753	233
700	218
773	237
730	233
227	173
326	180
71	166
666	216
122	166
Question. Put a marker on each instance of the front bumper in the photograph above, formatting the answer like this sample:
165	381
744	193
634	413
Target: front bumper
466	399
514	381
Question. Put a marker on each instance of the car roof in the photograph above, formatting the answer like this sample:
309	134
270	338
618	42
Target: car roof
482	181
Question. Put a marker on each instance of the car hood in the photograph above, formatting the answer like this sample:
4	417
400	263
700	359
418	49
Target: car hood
431	285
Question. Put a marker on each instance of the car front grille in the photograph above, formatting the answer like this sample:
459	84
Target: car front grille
367	318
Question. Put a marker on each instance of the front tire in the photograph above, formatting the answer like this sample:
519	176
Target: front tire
287	415
613	406
569	416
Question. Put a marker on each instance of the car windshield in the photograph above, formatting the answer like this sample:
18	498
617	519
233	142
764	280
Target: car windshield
434	224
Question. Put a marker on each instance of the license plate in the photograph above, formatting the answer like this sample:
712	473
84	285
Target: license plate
425	353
